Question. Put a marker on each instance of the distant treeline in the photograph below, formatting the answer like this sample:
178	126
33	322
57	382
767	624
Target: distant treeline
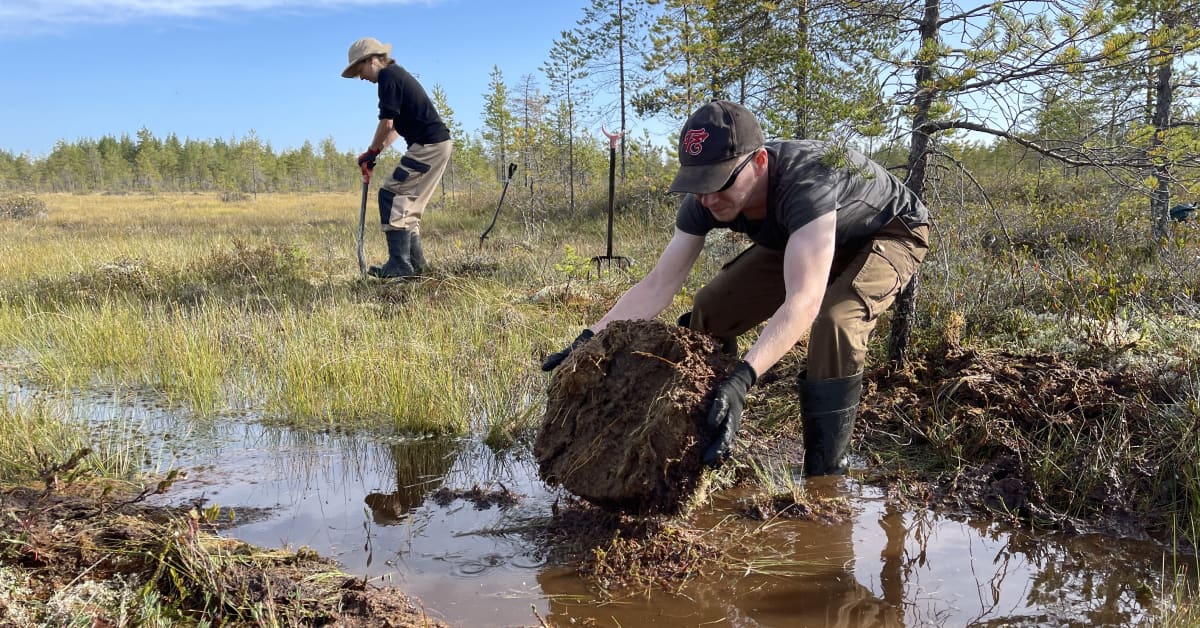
146	163
249	165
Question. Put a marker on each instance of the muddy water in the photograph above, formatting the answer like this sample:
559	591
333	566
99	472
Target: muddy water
367	502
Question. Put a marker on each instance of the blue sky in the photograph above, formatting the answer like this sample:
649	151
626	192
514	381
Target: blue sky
205	69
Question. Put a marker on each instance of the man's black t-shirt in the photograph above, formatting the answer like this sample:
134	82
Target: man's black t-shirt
807	179
403	100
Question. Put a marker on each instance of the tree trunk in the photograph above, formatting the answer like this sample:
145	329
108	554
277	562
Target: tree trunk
1160	198
918	161
802	36
621	79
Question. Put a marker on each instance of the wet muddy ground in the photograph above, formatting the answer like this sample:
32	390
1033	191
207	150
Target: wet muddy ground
491	546
480	540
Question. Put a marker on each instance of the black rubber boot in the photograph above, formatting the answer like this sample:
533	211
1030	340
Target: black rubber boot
417	254
828	409
399	263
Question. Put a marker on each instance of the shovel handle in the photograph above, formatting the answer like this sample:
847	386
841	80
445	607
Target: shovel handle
362	223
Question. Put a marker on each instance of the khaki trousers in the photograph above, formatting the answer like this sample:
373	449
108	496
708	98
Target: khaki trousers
862	285
404	195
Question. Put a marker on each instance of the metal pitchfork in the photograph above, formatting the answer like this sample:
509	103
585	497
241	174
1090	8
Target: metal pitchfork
512	167
608	258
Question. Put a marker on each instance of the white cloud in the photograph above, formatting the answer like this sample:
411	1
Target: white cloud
28	16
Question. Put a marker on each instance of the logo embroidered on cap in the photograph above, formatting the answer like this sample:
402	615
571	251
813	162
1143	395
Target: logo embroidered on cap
693	141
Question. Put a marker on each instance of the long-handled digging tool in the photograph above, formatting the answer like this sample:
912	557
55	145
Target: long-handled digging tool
608	258
362	220
512	167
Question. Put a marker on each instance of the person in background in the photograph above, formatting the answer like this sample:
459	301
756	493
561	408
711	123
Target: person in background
406	111
835	238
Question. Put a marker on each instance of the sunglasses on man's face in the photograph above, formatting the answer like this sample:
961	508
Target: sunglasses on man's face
736	171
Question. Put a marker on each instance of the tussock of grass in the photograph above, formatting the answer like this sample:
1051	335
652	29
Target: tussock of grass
19	206
777	494
39	443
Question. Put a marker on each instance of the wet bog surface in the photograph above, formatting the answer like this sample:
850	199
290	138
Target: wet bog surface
460	528
478	564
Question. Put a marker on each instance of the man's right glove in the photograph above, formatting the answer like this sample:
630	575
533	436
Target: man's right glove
366	162
725	415
554	359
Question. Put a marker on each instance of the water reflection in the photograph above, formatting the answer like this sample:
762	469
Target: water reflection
886	567
420	468
828	592
366	501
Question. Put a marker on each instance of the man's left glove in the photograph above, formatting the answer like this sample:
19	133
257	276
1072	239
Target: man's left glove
554	359
725	415
366	161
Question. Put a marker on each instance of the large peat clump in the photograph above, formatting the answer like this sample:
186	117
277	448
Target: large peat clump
625	416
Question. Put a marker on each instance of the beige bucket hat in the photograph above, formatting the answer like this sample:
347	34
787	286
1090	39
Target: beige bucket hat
362	49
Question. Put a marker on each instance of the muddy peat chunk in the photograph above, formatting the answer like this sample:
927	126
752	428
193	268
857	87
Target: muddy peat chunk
625	416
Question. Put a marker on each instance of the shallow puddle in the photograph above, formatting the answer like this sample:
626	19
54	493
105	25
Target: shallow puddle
373	504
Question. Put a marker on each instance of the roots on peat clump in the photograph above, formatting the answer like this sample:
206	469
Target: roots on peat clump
625	417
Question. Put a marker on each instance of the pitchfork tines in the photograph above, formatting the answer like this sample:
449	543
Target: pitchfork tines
608	259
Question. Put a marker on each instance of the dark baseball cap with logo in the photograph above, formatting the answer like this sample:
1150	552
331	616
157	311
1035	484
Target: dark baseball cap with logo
710	143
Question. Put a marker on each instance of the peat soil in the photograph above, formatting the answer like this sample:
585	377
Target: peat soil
625	424
57	540
1034	438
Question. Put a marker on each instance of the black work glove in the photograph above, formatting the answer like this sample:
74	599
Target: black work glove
725	415
554	359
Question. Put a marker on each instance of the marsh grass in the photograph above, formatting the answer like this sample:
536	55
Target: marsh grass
1178	607
41	443
1068	277
774	479
256	304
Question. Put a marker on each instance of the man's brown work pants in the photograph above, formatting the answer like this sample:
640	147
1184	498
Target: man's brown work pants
862	285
